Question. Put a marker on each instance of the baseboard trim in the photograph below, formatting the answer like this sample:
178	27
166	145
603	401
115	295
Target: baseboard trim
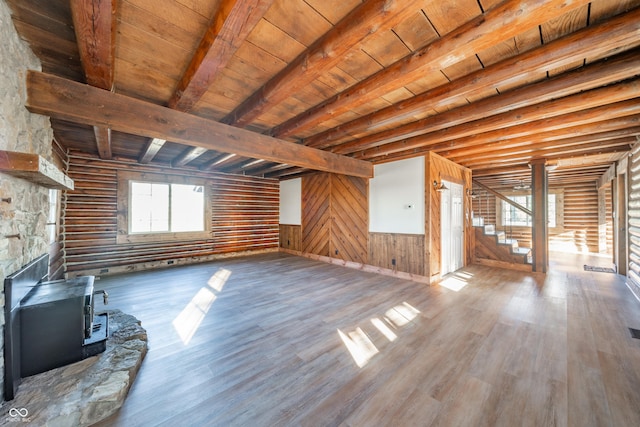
360	266
502	264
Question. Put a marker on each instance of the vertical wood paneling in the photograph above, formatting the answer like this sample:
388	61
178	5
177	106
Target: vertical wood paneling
316	215
244	218
350	218
290	237
406	249
438	168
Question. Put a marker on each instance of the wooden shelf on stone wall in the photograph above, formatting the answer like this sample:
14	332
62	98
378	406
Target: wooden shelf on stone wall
34	168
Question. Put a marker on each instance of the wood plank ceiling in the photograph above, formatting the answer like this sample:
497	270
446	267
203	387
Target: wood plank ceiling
487	84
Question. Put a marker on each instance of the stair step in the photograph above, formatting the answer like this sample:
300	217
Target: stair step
489	229
521	251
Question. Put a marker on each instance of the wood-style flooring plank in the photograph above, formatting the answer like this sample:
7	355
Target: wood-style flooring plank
275	339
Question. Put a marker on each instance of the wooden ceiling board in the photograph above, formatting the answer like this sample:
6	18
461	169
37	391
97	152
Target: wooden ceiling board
603	9
561	26
462	68
398	95
24	11
135	45
260	58
416	31
385	48
428	81
145	21
333	10
297	19
206	8
359	65
337	78
272	39
142	82
446	16
173	12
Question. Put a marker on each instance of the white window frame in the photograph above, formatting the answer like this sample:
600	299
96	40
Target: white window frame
559	194
124	203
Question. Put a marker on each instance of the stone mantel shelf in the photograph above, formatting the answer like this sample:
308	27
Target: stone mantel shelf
34	168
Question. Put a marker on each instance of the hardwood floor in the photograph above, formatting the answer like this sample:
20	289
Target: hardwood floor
282	340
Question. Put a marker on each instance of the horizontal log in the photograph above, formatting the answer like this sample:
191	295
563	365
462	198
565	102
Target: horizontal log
78	103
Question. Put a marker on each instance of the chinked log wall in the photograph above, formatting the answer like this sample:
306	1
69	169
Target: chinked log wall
244	218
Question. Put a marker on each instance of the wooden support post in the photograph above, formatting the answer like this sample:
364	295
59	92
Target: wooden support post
540	191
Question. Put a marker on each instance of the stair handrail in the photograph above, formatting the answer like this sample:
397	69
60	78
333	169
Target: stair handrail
503	197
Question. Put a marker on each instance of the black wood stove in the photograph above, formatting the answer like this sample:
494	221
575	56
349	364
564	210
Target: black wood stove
48	323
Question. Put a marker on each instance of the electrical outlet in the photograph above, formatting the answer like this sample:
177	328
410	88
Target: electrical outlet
170	262
393	261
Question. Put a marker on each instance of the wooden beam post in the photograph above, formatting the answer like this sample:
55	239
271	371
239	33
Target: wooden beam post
78	103
540	238
94	22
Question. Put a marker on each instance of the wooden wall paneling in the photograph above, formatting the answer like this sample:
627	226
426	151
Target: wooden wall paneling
407	249
438	168
290	237
316	214
349	218
244	218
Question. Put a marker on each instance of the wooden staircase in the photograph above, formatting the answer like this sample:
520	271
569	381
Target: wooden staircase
492	247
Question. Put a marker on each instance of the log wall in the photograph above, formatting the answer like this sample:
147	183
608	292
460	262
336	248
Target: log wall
244	218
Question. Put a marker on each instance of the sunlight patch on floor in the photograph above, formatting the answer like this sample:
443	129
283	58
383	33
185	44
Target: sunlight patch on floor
359	345
218	280
456	281
188	321
384	329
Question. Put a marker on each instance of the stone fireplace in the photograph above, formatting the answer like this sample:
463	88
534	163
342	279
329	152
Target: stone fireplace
24	206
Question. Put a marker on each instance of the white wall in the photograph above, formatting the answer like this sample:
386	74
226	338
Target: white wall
291	202
396	197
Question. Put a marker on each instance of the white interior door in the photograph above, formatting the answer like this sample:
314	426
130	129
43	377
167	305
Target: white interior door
451	232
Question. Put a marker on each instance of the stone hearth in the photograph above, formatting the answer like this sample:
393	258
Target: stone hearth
85	392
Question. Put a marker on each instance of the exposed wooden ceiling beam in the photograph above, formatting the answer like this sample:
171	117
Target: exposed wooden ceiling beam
187	156
533	102
547	151
103	141
594	151
78	103
151	149
230	26
500	23
532	121
217	160
518	145
95	27
495	139
370	17
592	41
